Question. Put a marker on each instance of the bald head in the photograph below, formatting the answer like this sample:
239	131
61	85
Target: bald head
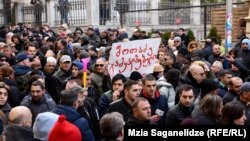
235	78
20	115
194	67
197	72
71	83
235	84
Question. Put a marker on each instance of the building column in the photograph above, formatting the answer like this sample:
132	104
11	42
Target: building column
195	13
51	12
154	14
195	19
19	12
93	15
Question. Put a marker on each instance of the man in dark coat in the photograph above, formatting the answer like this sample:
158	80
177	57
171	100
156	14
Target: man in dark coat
68	107
123	105
19	128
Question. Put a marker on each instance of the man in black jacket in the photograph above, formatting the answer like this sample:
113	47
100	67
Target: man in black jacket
123	106
184	108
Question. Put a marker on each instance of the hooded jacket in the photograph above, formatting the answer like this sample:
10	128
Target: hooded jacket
74	117
167	90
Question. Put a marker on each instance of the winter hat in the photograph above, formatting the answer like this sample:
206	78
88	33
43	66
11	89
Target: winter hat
177	38
65	58
94	48
208	85
246	41
78	64
135	75
245	87
43	124
65	26
158	67
64	131
22	56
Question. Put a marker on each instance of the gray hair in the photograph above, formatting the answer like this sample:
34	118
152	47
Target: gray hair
51	59
68	97
111	125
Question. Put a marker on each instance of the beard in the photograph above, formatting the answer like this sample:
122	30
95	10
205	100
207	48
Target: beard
36	99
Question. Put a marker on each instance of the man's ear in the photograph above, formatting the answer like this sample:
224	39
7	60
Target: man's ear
125	91
76	104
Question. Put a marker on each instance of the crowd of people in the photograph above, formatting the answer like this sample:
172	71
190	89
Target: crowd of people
42	96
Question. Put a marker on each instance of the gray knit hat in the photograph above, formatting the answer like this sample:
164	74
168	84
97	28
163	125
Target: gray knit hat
245	87
43	124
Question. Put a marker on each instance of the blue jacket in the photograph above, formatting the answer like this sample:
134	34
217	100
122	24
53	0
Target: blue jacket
74	117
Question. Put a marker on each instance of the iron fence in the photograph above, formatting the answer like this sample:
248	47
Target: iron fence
142	17
111	10
35	14
1	16
172	16
74	12
71	12
208	15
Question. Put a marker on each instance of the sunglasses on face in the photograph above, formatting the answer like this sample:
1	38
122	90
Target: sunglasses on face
176	41
99	65
3	60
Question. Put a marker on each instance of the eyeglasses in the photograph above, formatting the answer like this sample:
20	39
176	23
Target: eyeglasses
244	43
99	65
176	41
3	60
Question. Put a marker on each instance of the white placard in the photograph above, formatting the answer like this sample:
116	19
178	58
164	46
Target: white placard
139	55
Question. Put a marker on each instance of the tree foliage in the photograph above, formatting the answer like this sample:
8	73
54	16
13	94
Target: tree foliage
166	36
190	35
213	33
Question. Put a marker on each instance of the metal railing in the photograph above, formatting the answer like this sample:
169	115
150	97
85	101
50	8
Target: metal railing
1	16
110	11
72	12
35	14
171	16
208	14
